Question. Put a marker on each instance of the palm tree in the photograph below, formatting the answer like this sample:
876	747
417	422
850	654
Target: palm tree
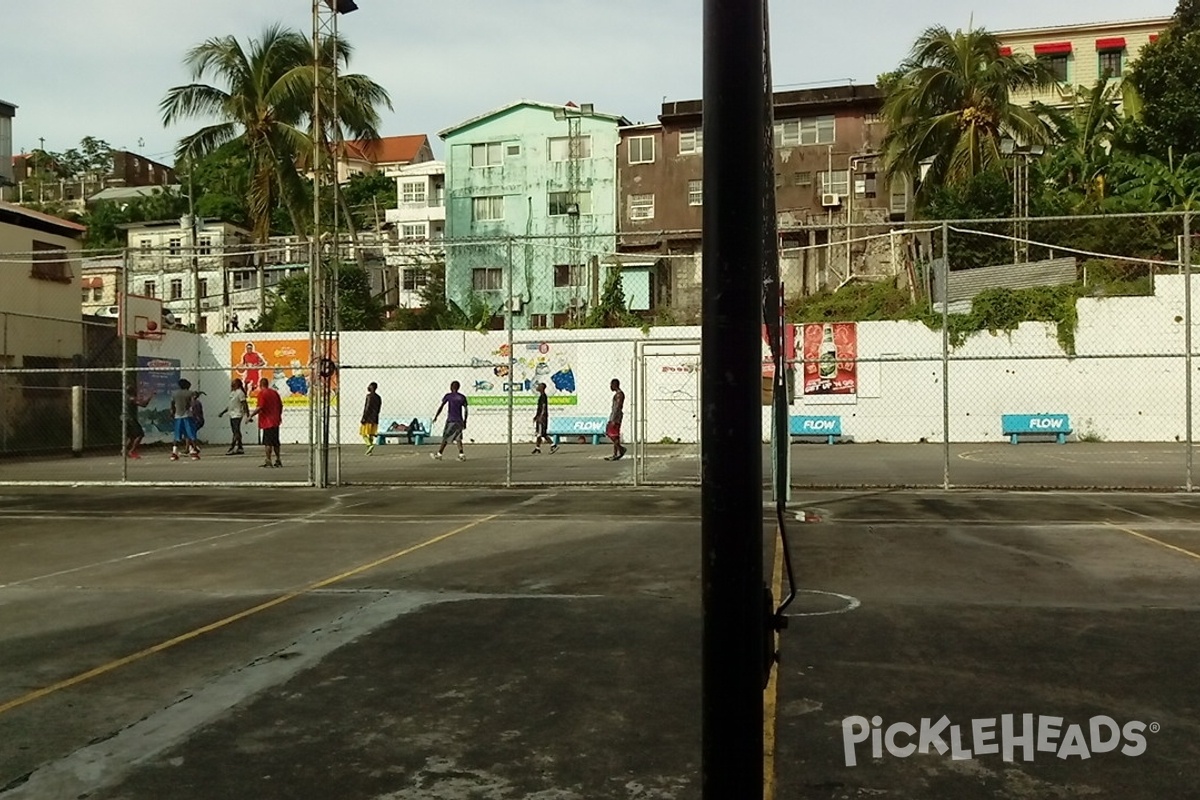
951	106
266	104
1086	141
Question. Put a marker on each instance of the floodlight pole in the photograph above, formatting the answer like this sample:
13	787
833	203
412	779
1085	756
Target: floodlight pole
735	187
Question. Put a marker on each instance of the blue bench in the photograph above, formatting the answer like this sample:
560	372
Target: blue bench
830	428
1015	426
399	430
576	426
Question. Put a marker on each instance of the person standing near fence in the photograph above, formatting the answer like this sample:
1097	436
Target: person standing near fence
455	403
237	409
369	425
541	421
269	410
615	417
133	428
185	426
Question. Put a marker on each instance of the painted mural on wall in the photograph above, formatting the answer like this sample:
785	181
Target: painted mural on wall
156	379
285	363
532	363
830	358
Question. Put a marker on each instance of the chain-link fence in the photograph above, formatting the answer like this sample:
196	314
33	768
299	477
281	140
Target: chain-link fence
1040	353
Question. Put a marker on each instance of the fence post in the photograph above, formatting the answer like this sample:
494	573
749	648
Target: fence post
122	290
1187	339
508	315
76	420
945	355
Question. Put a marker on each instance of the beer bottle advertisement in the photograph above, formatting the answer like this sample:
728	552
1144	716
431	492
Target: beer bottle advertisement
830	353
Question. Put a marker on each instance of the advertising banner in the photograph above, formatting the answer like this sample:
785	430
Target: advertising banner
156	379
533	363
286	363
830	358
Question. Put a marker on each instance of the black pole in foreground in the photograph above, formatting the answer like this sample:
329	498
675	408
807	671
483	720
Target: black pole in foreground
731	354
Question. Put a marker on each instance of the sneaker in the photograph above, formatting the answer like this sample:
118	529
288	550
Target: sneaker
266	464
436	456
553	448
229	452
620	455
370	449
536	451
174	456
134	455
610	458
462	456
277	464
195	456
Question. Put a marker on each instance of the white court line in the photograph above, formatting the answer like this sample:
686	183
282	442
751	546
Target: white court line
335	502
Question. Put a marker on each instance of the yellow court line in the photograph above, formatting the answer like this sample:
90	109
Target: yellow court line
212	626
1131	532
772	693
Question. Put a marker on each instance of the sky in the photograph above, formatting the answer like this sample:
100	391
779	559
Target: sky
79	68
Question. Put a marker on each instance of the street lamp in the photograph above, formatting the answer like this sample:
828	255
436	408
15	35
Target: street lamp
1022	154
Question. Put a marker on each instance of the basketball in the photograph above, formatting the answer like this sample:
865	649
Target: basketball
151	325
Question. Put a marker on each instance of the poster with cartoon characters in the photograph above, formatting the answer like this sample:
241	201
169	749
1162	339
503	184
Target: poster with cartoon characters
533	363
286	363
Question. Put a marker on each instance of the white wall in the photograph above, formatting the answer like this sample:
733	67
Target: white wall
1126	382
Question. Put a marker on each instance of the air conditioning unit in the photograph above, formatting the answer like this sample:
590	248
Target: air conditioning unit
518	305
831	200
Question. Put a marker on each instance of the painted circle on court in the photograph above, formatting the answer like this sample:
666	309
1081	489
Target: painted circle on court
818	603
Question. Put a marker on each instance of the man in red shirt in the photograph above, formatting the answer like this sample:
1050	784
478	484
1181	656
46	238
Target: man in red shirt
269	410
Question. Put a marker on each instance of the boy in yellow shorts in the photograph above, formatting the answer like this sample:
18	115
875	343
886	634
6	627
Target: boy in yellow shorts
369	426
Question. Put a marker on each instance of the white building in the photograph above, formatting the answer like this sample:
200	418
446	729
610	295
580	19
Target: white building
7	112
419	220
221	269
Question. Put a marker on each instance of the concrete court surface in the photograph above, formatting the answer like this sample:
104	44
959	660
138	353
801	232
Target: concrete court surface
378	643
1029	465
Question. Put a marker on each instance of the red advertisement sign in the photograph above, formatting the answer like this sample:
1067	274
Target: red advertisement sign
830	358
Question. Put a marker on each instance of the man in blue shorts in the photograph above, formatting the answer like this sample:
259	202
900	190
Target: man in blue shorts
456	421
185	426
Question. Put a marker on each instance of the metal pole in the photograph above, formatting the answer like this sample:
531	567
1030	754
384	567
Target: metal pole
77	420
945	355
508	461
734	627
122	290
193	230
1187	338
314	272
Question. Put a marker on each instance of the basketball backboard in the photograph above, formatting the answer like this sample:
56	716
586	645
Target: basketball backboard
141	317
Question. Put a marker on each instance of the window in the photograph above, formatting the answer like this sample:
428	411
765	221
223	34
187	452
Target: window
836	182
512	150
1110	64
539	320
568	275
412	193
174	246
50	263
413	232
810	130
866	185
145	244
1057	64
560	203
641	206
149	289
487	279
641	150
245	279
97	294
560	147
204	246
899	196
487	155
176	288
203	288
695	193
691	141
414	278
802	178
487	209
